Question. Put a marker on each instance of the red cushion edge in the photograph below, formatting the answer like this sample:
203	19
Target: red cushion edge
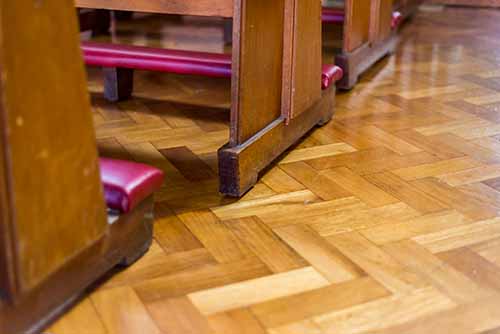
124	195
330	74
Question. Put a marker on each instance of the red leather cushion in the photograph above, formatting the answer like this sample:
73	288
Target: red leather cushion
397	18
332	15
156	59
330	75
173	61
127	183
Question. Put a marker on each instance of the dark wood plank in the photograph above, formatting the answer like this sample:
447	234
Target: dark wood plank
222	8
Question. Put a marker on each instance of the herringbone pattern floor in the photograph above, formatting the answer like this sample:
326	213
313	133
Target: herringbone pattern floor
386	220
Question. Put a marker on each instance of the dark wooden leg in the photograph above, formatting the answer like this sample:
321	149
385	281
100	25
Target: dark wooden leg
228	31
239	166
361	59
96	20
118	83
102	23
121	15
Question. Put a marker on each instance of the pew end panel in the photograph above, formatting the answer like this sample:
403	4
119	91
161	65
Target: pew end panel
281	73
368	37
302	57
55	238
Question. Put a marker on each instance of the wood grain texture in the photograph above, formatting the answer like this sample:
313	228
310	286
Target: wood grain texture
223	8
390	210
50	170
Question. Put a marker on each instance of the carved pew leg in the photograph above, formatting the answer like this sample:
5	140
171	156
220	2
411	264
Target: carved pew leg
118	83
239	166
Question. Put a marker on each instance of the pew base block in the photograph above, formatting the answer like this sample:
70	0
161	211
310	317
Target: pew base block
127	239
357	62
118	83
240	166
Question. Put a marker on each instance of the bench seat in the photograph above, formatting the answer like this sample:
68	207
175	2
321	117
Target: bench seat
332	15
157	59
126	184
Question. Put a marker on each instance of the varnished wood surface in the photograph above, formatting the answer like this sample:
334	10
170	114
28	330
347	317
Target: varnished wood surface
222	8
48	150
386	220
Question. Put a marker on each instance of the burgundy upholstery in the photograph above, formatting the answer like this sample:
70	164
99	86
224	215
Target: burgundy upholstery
332	15
173	61
397	19
156	59
127	183
330	75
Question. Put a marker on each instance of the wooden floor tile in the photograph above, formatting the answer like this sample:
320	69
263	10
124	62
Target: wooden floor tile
384	220
360	187
258	290
322	256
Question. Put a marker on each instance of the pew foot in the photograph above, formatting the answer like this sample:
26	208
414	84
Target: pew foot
357	62
118	83
325	119
240	165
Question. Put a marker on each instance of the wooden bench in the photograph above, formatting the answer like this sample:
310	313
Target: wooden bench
276	97
57	236
368	35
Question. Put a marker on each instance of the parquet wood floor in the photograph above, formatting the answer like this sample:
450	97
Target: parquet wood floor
386	220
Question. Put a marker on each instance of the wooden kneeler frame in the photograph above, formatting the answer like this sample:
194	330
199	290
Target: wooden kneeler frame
55	239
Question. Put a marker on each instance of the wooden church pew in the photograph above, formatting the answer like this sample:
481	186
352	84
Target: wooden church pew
276	80
119	62
56	236
368	34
